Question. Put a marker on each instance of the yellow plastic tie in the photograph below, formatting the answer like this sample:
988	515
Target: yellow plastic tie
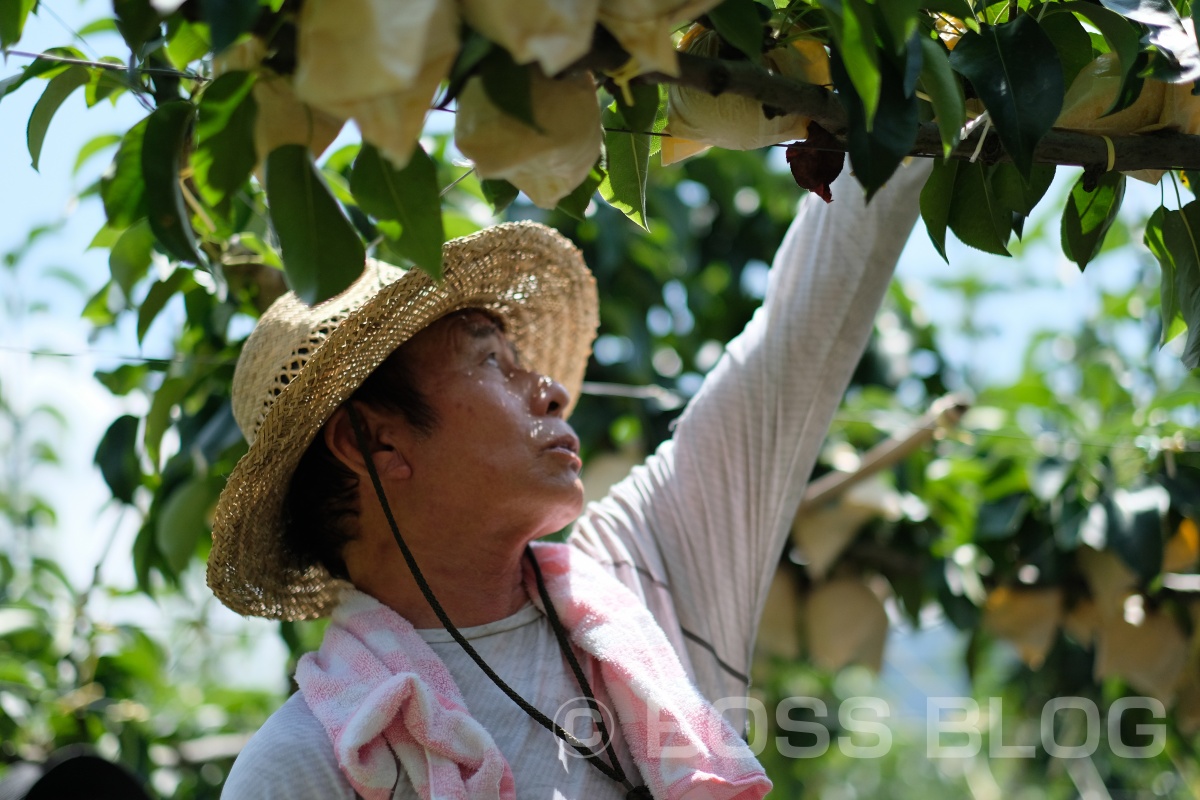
623	75
1112	153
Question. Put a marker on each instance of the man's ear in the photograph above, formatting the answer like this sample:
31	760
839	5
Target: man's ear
383	443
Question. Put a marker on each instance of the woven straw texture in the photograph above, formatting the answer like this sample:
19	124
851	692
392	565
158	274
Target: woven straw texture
302	362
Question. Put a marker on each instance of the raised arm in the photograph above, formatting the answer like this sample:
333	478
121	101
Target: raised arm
708	512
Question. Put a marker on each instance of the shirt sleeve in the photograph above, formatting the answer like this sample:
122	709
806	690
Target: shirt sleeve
289	758
706	516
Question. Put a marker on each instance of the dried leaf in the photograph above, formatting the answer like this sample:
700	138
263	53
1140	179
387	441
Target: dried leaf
817	162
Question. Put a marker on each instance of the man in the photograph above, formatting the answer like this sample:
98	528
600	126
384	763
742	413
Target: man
409	440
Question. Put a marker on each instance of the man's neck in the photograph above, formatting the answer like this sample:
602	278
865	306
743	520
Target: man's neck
473	584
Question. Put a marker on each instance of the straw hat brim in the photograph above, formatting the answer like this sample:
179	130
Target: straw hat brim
529	276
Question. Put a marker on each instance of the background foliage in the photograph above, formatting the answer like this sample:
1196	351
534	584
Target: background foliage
1055	526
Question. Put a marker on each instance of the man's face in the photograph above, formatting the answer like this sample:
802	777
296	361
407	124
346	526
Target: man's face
500	452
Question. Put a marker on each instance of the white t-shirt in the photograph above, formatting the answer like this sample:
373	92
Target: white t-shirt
696	531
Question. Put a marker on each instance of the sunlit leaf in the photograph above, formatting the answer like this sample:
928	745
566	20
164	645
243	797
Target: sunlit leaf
93	146
122	188
944	92
224	156
409	196
853	32
1015	70
129	259
58	90
1087	216
322	253
628	150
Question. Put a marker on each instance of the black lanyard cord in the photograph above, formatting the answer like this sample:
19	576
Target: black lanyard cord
613	771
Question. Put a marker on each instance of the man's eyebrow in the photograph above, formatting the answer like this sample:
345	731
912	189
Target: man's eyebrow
482	326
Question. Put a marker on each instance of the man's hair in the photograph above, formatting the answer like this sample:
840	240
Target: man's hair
321	502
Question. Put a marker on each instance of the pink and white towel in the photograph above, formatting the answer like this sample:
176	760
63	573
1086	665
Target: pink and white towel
388	702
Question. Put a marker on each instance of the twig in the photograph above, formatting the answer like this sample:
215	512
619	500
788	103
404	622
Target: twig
945	412
108	65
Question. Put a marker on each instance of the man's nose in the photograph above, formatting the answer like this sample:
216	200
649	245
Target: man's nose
550	398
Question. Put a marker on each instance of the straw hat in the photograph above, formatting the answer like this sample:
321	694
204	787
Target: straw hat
302	362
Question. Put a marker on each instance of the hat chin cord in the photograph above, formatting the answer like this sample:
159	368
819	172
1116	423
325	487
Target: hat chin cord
612	770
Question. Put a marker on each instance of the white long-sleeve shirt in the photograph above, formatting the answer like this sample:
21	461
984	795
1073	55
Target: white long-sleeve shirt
696	531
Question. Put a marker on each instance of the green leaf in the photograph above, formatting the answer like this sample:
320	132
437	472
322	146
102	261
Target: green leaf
117	458
183	521
499	193
167	131
1015	70
1124	39
228	19
408	195
58	90
138	22
1016	193
40	68
225	155
945	93
187	43
1072	42
1135	523
936	197
1000	519
977	218
130	257
104	84
474	48
1167	33
575	204
13	14
853	46
158	418
92	147
508	85
624	184
900	19
875	153
1087	216
740	23
160	292
1174	239
322	253
122	189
